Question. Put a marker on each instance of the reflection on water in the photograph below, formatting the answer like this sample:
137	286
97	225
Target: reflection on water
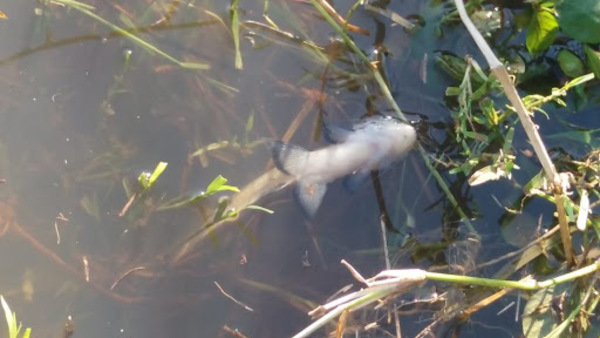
84	111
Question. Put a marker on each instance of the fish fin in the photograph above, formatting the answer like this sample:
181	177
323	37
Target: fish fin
335	134
354	181
288	158
310	196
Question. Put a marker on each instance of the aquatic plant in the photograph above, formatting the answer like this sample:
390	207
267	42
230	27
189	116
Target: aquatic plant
14	329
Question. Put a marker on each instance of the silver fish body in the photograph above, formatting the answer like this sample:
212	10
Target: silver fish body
371	144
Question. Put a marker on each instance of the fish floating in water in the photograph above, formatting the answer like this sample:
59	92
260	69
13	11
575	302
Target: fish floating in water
373	143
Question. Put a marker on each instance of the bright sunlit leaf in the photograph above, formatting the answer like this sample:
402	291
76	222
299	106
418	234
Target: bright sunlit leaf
541	31
157	172
11	318
147	180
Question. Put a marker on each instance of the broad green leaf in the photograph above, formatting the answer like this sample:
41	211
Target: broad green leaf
541	31
580	19
593	60
570	63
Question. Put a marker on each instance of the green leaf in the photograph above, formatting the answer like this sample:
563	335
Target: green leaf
235	31
570	63
580	19
250	123
508	140
223	203
593	60
11	319
541	31
157	171
147	180
143	180
218	184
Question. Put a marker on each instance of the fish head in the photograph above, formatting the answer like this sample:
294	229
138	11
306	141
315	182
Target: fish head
398	136
402	138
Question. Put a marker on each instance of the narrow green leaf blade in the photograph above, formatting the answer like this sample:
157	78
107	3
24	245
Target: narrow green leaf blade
11	319
235	31
157	172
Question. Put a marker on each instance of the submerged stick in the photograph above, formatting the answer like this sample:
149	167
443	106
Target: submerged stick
331	11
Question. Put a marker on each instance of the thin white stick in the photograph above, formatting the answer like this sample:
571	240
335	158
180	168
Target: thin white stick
246	307
479	40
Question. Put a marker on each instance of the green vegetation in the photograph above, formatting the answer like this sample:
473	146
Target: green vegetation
484	134
14	329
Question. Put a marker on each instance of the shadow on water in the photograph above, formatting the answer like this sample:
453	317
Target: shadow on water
85	110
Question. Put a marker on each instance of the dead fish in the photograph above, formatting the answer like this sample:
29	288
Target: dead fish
373	143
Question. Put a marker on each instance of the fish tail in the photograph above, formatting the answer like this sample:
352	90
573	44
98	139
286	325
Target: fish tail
289	158
310	196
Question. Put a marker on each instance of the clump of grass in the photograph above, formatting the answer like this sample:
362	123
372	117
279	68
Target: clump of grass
14	329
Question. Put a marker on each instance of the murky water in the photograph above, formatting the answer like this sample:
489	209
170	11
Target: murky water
84	111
